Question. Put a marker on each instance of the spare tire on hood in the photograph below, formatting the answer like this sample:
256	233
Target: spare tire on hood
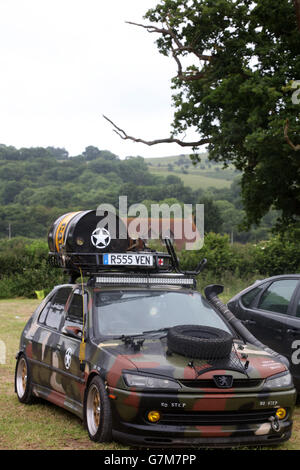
199	342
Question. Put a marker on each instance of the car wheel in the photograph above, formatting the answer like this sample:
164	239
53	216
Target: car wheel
98	418
23	384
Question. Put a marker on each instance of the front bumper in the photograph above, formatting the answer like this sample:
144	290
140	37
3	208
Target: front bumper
204	442
206	420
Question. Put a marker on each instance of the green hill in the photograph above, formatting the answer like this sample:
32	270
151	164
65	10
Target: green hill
204	175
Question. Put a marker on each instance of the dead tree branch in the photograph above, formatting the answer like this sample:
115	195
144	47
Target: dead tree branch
121	133
296	148
177	48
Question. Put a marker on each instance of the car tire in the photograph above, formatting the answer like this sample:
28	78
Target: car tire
98	418
199	342
23	382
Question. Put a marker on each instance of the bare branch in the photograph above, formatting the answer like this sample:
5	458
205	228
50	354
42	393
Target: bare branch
149	28
184	76
286	135
170	140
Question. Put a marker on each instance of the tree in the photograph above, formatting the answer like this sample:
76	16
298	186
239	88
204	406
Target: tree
91	152
297	8
213	219
237	94
58	153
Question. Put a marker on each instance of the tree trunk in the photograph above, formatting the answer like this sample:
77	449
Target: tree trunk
297	8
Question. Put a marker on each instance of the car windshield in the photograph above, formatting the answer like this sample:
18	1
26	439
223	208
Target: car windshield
129	312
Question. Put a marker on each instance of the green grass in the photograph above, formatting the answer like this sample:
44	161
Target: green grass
204	175
43	425
194	179
40	425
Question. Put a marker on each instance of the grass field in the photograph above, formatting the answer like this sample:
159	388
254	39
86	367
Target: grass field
194	180
43	425
40	425
204	175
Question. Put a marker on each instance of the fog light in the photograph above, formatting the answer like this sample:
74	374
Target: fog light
153	416
281	413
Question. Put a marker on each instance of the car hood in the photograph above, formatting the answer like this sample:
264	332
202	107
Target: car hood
154	358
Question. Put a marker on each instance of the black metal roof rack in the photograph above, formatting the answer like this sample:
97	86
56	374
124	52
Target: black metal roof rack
89	263
78	244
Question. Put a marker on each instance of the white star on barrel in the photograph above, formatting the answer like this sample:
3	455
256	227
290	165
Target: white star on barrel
100	238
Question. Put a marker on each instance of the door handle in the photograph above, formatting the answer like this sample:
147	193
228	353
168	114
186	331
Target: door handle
249	322
58	346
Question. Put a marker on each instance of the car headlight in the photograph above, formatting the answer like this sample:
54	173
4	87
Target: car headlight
280	381
144	381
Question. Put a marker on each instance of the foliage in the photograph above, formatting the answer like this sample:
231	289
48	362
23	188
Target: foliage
24	268
279	255
241	98
38	185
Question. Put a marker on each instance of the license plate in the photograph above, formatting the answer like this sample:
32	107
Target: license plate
122	259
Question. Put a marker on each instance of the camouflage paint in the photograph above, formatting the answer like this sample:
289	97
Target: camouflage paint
110	358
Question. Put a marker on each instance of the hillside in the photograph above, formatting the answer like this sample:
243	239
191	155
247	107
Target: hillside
204	175
37	185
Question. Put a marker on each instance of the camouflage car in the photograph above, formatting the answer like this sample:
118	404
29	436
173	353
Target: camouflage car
147	360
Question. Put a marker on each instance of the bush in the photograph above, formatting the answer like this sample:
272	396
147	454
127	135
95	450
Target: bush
24	268
218	252
279	255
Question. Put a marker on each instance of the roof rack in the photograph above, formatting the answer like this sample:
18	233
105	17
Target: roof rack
91	263
79	244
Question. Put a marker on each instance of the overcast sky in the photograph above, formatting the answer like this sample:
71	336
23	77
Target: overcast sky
64	63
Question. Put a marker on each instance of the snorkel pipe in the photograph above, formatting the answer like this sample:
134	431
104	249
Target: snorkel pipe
211	293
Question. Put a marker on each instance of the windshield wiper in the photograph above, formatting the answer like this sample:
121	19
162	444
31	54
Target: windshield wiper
123	337
157	331
127	338
134	342
130	341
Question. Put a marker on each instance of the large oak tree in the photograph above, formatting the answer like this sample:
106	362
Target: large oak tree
236	91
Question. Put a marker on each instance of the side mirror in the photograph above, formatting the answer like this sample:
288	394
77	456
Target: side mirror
73	331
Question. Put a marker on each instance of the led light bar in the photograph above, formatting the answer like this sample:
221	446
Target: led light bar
177	281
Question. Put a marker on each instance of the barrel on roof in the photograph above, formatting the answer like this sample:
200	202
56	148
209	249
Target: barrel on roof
87	232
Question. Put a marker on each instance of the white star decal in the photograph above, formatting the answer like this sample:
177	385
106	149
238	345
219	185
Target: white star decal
100	238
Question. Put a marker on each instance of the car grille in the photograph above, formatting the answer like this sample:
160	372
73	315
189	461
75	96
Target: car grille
237	383
219	418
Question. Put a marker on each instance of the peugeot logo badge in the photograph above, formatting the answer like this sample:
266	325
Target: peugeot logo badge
223	381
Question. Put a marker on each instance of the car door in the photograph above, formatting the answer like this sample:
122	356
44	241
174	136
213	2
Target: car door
40	353
242	307
293	336
71	375
46	338
270	316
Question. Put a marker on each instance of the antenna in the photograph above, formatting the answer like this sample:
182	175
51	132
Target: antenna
175	261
